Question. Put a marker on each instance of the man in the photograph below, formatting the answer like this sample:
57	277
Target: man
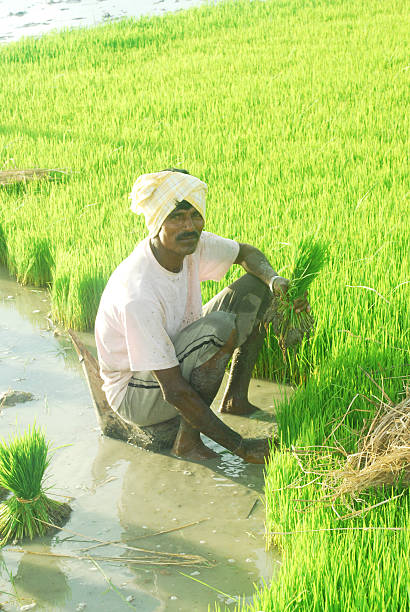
161	355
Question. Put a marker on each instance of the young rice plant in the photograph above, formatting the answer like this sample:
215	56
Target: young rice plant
23	462
309	258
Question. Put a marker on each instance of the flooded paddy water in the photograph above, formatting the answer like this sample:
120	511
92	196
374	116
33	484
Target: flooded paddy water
123	494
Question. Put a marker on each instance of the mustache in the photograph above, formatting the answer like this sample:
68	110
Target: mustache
187	235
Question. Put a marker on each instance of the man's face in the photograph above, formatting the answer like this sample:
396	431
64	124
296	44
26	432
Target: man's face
182	229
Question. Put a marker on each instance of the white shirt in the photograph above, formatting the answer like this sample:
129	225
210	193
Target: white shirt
144	306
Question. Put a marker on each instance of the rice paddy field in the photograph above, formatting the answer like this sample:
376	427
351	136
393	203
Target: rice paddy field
294	113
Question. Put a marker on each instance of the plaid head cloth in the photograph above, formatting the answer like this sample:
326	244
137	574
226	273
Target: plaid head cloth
156	195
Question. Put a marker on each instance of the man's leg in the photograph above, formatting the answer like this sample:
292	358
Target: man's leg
206	380
255	308
204	349
235	399
252	302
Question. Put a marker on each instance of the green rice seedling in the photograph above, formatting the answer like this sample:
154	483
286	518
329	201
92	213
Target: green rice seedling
32	260
309	258
23	462
3	247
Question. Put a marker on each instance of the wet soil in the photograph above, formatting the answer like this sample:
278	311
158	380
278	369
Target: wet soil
122	493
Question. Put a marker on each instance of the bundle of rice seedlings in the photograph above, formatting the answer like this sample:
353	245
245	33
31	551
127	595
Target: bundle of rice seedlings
309	258
383	458
23	462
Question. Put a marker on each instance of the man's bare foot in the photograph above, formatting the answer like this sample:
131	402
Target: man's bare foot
237	406
197	452
188	444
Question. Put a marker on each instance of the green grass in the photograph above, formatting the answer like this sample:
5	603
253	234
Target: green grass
333	564
288	112
294	113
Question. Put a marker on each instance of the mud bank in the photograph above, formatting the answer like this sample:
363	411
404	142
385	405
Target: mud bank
121	493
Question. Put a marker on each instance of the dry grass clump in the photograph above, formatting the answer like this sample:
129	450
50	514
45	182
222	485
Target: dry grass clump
383	458
9	177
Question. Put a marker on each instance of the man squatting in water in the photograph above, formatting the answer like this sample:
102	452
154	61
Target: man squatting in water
162	355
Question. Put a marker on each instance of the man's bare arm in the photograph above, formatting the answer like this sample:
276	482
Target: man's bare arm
178	392
254	261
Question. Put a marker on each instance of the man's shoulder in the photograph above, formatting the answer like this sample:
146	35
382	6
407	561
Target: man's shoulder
205	236
208	239
211	236
214	243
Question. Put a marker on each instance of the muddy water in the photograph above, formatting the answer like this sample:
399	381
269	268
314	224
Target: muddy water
20	18
121	493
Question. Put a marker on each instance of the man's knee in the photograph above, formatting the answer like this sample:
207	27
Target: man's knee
225	340
251	284
222	325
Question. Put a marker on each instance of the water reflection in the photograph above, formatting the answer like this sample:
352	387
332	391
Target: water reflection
160	493
41	578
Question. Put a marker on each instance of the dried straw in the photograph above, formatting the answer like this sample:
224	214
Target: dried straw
383	458
144	556
8	177
153	558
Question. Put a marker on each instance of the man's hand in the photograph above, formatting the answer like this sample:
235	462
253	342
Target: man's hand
255	450
280	286
301	304
254	261
178	392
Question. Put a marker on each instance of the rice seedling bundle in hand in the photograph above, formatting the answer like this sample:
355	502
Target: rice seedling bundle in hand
310	257
23	462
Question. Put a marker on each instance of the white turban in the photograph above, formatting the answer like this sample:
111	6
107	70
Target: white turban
156	195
